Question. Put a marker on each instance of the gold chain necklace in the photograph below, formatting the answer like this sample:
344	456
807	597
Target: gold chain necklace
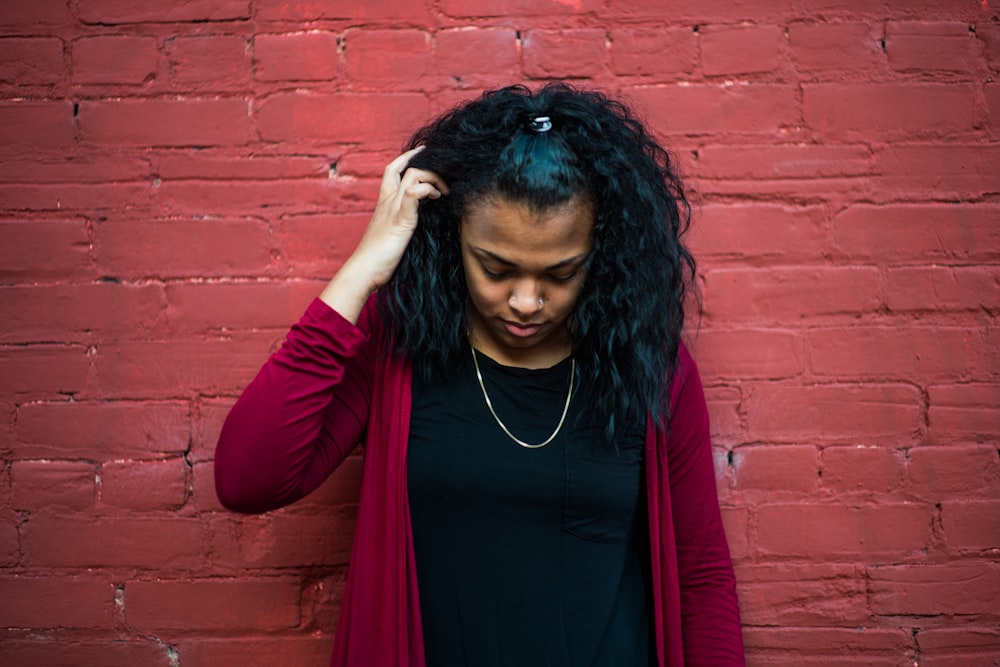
489	404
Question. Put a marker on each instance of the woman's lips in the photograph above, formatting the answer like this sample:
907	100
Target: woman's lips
521	330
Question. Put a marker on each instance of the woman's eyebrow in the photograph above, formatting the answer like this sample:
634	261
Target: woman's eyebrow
558	265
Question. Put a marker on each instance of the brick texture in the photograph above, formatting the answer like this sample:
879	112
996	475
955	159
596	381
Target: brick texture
179	179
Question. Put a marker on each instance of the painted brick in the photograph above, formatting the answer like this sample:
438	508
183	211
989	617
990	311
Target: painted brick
990	35
33	14
31	60
971	524
747	353
166	122
835	46
784	161
203	497
208	418
212	604
718	110
149	11
8	410
235	197
888	110
10	541
287	540
970	645
79	312
939	353
724	412
395	56
790	594
301	56
234	652
564	53
955	471
862	469
876	643
742	49
742	231
474	8
73	170
910	232
652	51
182	248
725	481
992	94
209	61
850	647
177	166
314	245
736	522
43	369
934	641
151	263
364	164
963	412
788	412
931	46
196	307
720	11
344	117
55	650
42	250
53	484
460	52
178	368
782	296
36	124
778	468
943	289
105	430
56	602
821	531
946	169
114	59
353	10
144	485
67	198
951	588
156	543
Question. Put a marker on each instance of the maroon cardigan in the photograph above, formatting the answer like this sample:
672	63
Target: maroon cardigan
312	402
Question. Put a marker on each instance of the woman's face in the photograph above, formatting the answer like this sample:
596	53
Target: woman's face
524	270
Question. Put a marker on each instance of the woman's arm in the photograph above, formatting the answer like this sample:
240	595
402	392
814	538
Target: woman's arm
299	418
709	609
308	405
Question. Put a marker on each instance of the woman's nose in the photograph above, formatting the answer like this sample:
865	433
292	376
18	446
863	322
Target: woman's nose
525	299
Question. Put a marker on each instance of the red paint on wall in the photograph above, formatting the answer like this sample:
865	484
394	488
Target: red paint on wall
177	180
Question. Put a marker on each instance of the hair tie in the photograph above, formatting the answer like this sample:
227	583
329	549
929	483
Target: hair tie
541	124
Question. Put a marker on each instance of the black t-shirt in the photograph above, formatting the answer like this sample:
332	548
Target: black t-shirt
526	557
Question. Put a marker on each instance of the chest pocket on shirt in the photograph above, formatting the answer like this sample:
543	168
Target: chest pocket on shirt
602	487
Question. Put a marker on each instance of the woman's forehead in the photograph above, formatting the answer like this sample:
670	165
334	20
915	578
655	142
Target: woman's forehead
516	232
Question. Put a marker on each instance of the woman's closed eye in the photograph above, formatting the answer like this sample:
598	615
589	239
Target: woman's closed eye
563	278
495	275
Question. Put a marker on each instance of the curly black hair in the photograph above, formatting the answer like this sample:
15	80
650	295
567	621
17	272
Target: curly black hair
627	322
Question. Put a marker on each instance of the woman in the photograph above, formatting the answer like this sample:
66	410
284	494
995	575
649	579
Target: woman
538	485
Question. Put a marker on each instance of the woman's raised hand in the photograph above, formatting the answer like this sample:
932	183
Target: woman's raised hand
385	239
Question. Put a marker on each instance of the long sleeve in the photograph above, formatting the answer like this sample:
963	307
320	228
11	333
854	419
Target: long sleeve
301	415
709	609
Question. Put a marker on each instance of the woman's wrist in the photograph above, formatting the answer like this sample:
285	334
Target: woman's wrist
348	291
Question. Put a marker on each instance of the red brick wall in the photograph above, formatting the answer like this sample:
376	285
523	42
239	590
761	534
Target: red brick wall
178	179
